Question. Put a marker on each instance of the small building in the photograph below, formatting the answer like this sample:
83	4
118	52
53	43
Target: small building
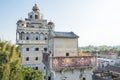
56	53
62	60
107	58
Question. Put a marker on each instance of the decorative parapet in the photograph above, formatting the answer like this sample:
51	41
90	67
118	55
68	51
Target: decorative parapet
76	62
69	62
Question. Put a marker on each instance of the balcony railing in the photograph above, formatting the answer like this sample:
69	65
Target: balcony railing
31	42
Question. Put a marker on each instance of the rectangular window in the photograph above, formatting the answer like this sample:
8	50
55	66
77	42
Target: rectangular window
36	16
36	68
36	58
27	49
45	49
49	78
27	58
36	49
84	78
67	54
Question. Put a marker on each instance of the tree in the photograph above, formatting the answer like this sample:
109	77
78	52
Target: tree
10	68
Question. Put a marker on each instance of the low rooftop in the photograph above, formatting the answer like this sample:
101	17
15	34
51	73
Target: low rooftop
64	35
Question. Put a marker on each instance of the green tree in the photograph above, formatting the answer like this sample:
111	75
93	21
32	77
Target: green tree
10	68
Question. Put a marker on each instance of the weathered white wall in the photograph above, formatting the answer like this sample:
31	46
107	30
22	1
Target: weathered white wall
75	74
65	45
32	54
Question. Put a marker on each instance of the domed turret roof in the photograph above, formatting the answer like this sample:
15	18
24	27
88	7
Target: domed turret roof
50	23
21	21
35	7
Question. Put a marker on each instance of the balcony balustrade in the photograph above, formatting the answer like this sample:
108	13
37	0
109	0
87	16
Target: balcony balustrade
31	42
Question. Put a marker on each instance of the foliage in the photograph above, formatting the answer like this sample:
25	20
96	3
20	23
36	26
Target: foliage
98	49
10	68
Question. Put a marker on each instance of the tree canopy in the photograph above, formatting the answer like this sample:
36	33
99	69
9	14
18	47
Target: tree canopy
10	68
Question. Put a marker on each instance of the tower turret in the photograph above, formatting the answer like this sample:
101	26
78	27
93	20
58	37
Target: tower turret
35	7
21	23
35	14
51	25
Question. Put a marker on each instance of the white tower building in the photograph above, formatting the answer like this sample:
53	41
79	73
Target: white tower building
32	37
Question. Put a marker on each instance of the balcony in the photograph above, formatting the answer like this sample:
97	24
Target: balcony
31	42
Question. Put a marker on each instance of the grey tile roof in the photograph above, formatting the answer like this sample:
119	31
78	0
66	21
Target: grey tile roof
113	68
64	35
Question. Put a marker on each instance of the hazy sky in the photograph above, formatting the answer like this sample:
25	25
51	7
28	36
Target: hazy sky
97	22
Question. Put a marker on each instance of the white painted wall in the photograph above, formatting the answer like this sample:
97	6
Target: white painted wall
76	74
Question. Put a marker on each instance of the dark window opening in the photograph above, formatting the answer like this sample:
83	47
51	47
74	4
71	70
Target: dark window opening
36	49
32	26
27	24
45	38
30	16
27	38
45	49
36	68
27	49
36	58
27	58
67	54
36	38
36	16
84	78
44	77
22	24
49	78
44	67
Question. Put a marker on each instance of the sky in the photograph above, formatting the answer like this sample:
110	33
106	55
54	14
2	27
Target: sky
97	22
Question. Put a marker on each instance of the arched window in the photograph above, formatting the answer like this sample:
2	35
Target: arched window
41	36
37	36
45	38
45	49
36	16
22	24
32	36
30	16
22	35
27	38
